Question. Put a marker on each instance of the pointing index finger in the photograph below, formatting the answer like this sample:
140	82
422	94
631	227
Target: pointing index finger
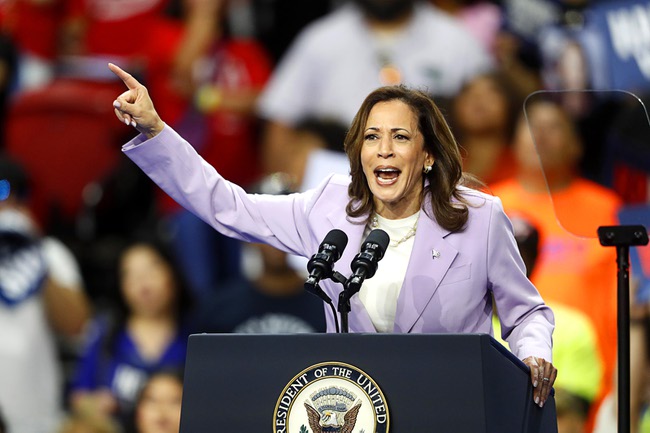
127	78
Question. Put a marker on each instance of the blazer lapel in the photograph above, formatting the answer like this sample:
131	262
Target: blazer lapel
430	259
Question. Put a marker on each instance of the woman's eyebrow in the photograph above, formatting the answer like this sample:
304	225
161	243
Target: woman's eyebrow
374	128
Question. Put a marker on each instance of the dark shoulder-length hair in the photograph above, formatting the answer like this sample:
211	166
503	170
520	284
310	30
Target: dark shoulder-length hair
448	207
119	313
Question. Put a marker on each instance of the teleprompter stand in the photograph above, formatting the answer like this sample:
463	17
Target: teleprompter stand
623	237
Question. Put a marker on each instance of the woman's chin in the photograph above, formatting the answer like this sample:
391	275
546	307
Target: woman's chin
387	200
385	192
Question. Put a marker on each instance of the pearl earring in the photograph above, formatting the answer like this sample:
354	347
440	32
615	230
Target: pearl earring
427	169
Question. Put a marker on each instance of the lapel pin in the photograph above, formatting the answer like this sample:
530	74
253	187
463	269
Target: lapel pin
435	254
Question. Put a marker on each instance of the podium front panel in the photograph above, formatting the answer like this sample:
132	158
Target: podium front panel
434	383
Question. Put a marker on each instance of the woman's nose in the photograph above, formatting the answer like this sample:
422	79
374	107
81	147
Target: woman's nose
385	149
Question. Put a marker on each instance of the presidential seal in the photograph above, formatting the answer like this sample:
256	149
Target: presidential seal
331	397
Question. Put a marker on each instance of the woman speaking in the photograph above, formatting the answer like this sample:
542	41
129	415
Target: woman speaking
452	252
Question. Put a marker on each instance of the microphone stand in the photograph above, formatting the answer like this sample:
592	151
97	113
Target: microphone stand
344	310
344	302
344	299
623	237
331	305
339	278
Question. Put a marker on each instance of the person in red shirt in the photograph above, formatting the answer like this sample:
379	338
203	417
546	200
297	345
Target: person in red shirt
109	27
219	117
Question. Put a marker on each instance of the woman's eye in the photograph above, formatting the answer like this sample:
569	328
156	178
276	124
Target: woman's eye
401	137
370	137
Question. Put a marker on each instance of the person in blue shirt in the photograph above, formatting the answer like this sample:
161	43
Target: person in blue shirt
148	335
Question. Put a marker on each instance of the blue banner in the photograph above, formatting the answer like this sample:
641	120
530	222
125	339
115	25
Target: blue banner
623	27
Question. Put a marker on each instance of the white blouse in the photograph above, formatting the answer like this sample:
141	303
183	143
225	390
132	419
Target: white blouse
379	294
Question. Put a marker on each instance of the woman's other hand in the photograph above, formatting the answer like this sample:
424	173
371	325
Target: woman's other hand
542	375
134	107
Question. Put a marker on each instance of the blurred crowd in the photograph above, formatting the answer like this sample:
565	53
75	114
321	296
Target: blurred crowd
103	277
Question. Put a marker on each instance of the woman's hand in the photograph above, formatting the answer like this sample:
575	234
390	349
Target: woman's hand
542	374
134	107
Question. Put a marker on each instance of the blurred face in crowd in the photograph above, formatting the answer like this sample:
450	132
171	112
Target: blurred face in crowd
159	407
481	107
147	281
393	157
553	137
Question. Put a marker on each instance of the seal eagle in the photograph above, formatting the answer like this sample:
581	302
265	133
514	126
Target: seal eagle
329	422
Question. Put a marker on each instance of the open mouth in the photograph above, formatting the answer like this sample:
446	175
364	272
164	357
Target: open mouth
387	175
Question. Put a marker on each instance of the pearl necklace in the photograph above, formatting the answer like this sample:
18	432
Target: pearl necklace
374	223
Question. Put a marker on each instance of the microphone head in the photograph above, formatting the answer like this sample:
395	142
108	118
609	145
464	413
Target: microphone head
336	238
380	238
330	250
365	263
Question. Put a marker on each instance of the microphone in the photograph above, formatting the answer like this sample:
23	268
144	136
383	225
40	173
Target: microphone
365	263
320	265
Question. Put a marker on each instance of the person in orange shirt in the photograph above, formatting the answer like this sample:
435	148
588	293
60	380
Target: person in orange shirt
573	268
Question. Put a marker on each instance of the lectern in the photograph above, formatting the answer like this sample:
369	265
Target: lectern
402	383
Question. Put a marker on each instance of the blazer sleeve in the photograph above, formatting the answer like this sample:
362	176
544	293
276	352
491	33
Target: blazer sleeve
174	165
526	322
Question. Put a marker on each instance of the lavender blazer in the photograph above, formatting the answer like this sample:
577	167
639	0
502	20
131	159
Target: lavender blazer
447	292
